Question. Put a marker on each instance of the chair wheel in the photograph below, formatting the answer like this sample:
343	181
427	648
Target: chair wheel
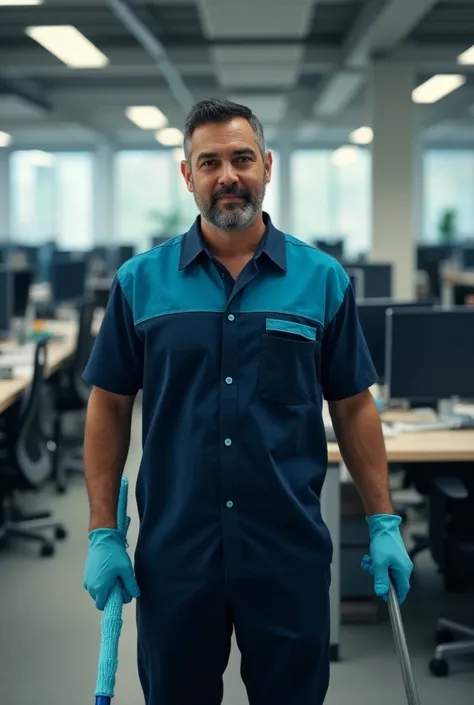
443	636
47	549
60	533
439	667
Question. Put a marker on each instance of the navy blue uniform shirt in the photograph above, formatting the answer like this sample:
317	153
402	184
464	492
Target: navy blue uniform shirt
233	375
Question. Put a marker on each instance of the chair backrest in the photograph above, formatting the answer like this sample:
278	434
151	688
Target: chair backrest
83	348
31	452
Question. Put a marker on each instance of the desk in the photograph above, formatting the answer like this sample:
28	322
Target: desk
438	446
58	352
450	278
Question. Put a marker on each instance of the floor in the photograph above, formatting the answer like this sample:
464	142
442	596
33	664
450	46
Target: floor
49	628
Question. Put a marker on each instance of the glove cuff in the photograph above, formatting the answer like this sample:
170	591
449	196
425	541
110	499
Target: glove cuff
98	535
383	522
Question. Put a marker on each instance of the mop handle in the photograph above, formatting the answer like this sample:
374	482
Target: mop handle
111	623
402	648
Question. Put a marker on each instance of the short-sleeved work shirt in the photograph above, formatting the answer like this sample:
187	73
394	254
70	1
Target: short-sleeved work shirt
233	375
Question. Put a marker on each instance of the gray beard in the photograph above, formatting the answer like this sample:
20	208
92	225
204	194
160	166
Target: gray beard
235	216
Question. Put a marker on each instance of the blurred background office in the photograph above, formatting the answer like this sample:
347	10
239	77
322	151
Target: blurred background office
368	108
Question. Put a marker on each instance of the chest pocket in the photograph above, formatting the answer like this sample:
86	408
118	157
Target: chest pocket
287	365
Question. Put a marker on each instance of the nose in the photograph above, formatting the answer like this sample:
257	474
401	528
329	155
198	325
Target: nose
227	174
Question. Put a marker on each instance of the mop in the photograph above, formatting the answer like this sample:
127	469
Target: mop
111	623
111	626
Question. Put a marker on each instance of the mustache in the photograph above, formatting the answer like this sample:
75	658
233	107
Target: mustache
231	191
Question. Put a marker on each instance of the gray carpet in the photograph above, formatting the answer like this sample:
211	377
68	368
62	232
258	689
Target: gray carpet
49	628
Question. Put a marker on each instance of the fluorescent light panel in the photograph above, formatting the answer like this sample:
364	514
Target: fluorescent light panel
170	137
69	46
363	135
467	57
147	117
5	139
19	3
437	87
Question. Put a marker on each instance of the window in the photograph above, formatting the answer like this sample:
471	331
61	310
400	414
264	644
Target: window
145	196
448	184
331	201
52	198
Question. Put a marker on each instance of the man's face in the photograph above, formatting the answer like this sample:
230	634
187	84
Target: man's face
227	174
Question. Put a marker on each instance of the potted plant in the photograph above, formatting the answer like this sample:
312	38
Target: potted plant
447	226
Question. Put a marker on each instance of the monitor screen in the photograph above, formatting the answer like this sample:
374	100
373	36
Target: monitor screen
6	302
68	280
335	248
468	257
377	278
429	353
22	281
372	320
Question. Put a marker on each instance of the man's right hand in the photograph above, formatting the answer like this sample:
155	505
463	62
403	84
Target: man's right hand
107	562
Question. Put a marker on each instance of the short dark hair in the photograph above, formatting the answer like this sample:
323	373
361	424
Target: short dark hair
216	110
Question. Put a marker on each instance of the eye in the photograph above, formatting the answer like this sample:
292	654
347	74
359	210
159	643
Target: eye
209	162
244	159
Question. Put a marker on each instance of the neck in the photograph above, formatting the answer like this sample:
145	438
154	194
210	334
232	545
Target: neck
227	244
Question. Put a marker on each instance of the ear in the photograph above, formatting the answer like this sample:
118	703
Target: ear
268	165
187	175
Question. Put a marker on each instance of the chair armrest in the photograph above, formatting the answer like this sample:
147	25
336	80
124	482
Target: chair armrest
452	488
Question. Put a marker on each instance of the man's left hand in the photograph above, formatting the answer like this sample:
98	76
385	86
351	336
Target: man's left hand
388	556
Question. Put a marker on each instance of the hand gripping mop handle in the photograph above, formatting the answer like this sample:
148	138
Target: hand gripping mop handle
402	648
111	623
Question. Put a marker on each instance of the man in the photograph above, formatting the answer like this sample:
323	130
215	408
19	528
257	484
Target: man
235	332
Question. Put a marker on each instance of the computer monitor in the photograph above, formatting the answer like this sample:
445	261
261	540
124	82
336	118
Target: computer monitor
335	248
68	281
22	281
429	354
158	240
429	254
6	302
377	278
123	254
356	277
467	257
372	316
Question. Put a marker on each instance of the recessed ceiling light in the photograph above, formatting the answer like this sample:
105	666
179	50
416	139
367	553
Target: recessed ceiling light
69	46
363	135
467	57
437	87
147	117
170	137
5	139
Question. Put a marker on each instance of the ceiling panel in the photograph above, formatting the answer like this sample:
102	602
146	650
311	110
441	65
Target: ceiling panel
447	23
256	18
266	66
269	109
330	23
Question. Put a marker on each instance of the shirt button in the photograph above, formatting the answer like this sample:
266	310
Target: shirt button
231	317
228	380
228	442
229	504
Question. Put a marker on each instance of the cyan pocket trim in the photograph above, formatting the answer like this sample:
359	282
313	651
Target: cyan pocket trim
281	326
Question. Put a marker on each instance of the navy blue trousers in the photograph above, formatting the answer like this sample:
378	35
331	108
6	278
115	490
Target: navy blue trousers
281	625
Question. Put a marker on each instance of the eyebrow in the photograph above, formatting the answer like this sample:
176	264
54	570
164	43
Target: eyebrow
236	153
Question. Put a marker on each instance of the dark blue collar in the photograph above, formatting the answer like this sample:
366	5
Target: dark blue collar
273	244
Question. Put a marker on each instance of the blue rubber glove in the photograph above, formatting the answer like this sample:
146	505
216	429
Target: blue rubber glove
107	562
388	556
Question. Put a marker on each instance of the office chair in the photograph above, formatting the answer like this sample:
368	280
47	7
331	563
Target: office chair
71	394
25	464
452	548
